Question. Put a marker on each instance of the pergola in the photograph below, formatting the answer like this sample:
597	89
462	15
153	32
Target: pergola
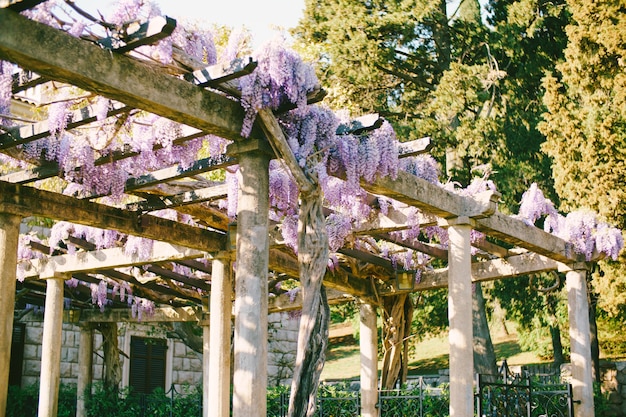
55	55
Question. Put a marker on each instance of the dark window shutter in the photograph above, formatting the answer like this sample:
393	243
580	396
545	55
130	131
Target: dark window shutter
147	364
17	354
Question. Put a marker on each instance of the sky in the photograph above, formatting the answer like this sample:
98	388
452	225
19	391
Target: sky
259	16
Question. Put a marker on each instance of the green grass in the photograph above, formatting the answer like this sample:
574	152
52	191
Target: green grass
429	356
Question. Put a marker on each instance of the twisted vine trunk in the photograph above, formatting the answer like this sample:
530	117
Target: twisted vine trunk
313	333
398	313
112	366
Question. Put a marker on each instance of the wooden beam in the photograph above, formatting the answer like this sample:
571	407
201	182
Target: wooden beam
60	56
415	147
137	34
19	5
193	282
92	261
28	133
28	201
518	233
190	197
429	197
176	172
161	314
513	266
418	192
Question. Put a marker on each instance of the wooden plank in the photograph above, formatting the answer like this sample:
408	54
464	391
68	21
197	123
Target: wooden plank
137	34
513	266
214	75
518	233
19	5
29	133
161	314
27	201
194	282
190	197
177	172
51	169
415	147
361	125
92	261
59	56
431	198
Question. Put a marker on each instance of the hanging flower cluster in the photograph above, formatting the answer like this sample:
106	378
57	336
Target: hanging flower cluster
581	227
281	79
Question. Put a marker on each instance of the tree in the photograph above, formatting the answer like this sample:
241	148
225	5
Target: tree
585	127
408	61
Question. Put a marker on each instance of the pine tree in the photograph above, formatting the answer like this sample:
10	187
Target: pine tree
585	127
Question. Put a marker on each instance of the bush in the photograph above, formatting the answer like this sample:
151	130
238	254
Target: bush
24	402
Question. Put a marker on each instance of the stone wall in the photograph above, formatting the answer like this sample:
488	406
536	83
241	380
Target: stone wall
184	364
283	340
614	387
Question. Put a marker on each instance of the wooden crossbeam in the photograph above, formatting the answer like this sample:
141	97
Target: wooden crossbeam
361	125
430	198
51	169
19	5
23	80
431	250
151	289
164	272
214	75
190	197
420	193
176	172
518	233
29	133
134	34
369	258
93	261
60	56
27	201
415	147
513	266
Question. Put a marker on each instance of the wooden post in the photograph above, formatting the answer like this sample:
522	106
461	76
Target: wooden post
218	395
85	367
51	348
9	237
460	318
368	344
580	340
250	339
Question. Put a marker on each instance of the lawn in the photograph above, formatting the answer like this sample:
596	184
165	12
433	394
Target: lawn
429	356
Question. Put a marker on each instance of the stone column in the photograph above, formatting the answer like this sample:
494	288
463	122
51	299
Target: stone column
85	367
250	339
460	318
218	395
51	348
580	340
368	345
9	237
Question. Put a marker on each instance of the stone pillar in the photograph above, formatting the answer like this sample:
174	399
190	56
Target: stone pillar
9	237
85	367
217	400
250	339
51	348
368	344
580	340
460	318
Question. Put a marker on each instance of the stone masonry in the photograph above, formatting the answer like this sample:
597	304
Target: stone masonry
186	364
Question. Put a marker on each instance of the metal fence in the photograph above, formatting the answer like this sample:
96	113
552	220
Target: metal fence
419	399
523	395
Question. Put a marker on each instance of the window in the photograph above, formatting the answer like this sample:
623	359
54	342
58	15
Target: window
147	364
